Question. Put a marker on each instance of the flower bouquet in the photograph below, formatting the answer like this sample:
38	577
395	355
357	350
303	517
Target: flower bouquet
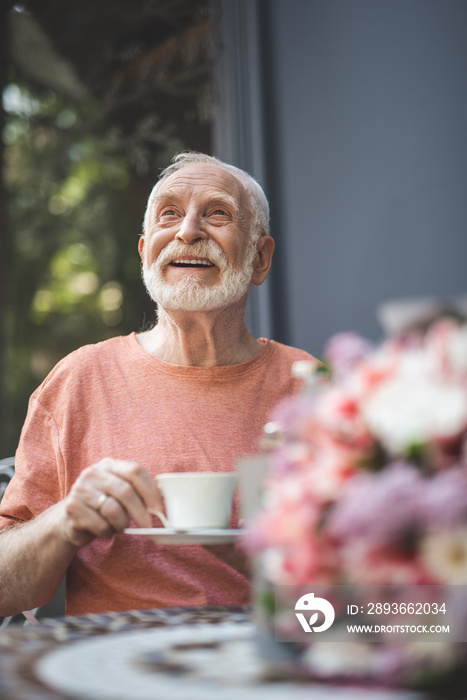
369	488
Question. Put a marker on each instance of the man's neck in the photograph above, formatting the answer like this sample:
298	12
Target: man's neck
201	339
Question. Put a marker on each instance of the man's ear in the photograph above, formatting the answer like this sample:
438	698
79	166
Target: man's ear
141	247
263	259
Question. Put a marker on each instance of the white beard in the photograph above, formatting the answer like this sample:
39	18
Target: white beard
189	294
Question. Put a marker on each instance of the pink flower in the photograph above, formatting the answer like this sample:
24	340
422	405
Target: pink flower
446	344
301	562
378	508
370	375
293	457
337	503
317	471
291	413
331	471
443	503
288	517
381	566
346	350
338	412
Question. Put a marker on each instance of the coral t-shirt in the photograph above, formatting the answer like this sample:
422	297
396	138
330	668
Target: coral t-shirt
114	399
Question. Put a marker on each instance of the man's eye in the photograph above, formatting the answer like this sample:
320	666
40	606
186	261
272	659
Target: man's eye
219	212
168	212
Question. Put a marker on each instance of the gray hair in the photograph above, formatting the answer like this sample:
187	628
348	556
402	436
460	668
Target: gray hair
259	203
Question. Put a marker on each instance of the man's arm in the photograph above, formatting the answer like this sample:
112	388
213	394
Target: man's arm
35	555
33	560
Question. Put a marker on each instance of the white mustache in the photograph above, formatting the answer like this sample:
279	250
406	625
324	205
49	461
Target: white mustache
200	249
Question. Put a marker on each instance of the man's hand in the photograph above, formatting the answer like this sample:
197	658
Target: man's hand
104	498
35	555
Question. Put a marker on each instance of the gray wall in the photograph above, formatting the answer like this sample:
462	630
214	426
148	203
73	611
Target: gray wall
239	118
366	147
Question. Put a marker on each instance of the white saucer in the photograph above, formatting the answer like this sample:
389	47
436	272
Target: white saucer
165	535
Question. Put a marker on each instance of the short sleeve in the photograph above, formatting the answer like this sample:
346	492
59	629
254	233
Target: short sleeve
36	484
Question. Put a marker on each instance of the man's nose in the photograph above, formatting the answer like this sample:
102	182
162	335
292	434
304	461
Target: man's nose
191	228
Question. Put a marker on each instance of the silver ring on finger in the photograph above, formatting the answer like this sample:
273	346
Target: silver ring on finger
100	502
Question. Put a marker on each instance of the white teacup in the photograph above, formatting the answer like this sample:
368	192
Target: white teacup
197	499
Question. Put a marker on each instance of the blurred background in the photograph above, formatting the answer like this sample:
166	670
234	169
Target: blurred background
351	114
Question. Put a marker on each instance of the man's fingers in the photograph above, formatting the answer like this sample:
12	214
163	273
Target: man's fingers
144	485
115	514
130	487
127	488
122	503
84	523
106	496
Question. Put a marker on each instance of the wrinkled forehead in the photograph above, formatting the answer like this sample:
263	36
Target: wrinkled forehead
197	178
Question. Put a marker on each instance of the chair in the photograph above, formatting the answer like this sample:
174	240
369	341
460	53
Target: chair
7	469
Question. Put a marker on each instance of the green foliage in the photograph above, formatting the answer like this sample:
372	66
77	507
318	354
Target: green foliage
267	600
75	211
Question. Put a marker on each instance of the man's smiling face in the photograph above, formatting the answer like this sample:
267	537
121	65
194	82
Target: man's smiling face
198	253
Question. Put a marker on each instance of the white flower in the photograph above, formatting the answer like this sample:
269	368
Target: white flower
439	655
402	412
444	554
272	565
340	658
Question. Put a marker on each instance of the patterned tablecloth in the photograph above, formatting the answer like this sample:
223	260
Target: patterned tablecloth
178	654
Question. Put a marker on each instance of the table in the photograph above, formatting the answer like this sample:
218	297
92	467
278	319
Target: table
179	654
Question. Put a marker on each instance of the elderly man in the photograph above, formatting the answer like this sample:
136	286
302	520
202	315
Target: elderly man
192	393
